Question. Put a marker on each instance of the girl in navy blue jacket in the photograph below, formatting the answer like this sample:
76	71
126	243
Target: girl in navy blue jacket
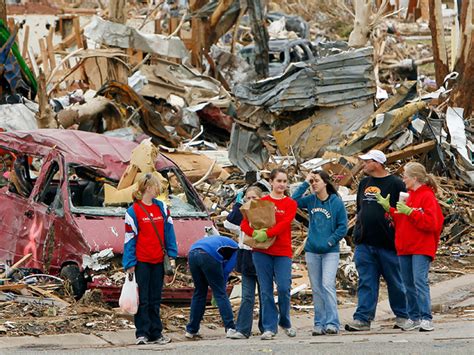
327	226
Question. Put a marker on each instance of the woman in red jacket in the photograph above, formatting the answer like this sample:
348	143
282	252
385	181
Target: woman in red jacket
418	225
274	263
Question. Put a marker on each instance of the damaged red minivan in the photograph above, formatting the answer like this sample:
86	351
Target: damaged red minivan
52	203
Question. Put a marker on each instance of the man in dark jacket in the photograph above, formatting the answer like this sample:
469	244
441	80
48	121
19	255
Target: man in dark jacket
375	253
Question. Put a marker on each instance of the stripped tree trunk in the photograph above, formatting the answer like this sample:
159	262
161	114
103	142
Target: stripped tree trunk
260	36
3	11
463	91
440	52
117	11
360	34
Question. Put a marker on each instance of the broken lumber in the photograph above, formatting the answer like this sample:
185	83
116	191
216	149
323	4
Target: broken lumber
411	151
20	262
5	297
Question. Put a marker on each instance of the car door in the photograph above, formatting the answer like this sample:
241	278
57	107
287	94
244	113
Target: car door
13	205
44	205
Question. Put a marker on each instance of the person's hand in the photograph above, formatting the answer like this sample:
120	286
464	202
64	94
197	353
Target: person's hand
173	263
130	270
260	235
309	178
403	208
384	202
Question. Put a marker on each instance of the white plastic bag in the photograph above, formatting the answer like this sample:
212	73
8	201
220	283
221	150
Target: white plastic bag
128	300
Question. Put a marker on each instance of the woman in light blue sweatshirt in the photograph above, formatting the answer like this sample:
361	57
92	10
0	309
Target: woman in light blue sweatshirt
327	226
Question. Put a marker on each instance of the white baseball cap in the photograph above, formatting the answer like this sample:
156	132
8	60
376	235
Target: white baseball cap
375	155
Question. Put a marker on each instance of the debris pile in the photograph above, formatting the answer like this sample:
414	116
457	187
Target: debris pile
228	91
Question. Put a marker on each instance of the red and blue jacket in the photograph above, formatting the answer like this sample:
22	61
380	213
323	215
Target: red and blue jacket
132	235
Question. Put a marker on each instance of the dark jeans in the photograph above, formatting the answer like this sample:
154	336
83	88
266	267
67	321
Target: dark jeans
207	272
371	263
245	317
150	284
415	270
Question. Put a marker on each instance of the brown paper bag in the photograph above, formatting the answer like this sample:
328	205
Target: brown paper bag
260	214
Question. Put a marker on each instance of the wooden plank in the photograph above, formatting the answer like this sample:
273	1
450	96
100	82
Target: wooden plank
50	48
26	37
12	287
32	300
411	151
20	262
44	56
47	294
77	33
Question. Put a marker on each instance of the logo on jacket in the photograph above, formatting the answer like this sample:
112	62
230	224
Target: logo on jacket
321	210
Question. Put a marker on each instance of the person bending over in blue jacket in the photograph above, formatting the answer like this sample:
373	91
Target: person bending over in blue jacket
327	226
211	260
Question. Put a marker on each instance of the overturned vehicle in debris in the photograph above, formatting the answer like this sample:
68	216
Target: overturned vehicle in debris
52	204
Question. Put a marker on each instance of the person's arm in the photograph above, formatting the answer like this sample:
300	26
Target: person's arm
341	224
245	227
170	236
129	258
298	195
425	216
279	227
229	265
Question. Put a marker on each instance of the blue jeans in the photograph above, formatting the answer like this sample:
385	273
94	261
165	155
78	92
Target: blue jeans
276	268
415	270
245	316
371	263
150	284
322	269
207	272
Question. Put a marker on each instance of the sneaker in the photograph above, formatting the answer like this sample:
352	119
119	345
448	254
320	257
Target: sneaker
192	335
267	335
291	332
237	335
332	330
141	341
426	325
230	332
411	325
357	325
318	331
162	340
400	323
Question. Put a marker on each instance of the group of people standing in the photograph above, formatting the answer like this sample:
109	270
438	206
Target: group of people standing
395	238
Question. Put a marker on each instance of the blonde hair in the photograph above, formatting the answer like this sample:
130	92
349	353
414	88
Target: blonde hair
257	190
144	182
418	171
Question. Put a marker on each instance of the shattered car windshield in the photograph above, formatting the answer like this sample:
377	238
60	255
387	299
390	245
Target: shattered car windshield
86	194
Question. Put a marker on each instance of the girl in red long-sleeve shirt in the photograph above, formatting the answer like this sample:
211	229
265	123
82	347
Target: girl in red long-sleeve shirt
274	263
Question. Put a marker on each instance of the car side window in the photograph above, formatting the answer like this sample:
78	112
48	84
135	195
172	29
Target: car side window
50	186
24	172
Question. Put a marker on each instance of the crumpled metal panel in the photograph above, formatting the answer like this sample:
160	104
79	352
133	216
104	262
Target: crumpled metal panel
123	36
330	81
246	150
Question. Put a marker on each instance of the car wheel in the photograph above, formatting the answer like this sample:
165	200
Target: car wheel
74	280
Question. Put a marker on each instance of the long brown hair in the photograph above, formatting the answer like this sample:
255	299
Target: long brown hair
418	171
146	180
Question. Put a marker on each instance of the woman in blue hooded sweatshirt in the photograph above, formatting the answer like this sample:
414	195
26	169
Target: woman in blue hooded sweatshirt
327	226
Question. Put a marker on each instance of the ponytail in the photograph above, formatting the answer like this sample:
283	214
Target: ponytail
431	182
